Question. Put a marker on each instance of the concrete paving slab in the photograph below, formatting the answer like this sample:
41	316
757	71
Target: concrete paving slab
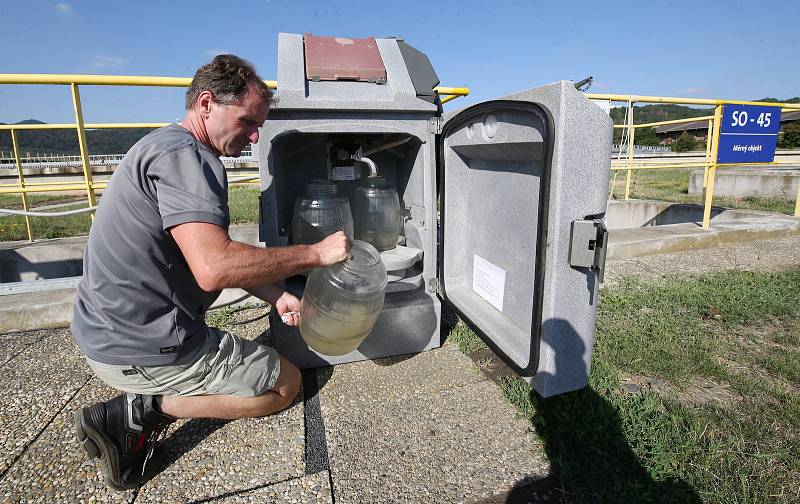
37	383
314	488
13	343
54	468
429	444
211	459
395	379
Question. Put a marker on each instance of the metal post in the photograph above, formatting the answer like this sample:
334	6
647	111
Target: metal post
708	156
87	171
15	145
797	204
631	133
709	196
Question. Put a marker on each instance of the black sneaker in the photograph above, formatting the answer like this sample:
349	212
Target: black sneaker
122	432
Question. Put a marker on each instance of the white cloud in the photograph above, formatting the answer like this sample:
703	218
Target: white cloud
216	51
107	62
65	8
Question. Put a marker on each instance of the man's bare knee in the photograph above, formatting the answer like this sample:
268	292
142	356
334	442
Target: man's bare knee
288	384
278	398
283	393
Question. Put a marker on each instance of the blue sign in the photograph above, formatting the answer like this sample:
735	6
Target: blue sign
748	134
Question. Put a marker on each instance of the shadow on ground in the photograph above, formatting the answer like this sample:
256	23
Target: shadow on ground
582	435
181	442
583	438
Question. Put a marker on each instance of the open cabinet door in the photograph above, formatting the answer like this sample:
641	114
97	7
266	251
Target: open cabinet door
522	192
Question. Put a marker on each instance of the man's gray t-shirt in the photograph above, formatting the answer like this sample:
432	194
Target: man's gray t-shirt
138	303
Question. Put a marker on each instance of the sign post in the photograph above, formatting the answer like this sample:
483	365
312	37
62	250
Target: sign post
742	134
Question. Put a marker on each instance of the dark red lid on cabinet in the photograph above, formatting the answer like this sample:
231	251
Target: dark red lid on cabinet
340	58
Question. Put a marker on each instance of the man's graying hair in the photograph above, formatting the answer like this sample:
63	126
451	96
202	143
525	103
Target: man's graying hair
228	78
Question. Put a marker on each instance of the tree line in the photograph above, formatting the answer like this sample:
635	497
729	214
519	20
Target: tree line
105	141
788	138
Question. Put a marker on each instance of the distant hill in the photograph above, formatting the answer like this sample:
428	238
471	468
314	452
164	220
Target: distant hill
796	99
659	112
26	121
665	112
668	112
107	141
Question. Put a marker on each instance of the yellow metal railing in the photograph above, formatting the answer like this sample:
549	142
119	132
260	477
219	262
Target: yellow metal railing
451	93
710	165
74	81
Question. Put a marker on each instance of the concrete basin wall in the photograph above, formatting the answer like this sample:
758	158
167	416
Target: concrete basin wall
642	227
745	182
624	214
63	257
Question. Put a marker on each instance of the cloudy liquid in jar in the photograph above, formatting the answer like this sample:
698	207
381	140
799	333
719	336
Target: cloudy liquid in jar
333	333
342	302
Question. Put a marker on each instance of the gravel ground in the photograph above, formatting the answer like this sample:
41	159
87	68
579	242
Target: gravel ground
207	459
37	384
766	255
314	488
54	468
12	344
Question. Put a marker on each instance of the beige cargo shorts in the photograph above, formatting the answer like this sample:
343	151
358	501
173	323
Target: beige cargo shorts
223	364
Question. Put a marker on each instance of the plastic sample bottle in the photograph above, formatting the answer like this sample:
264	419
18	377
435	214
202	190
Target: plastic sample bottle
342	302
320	212
376	213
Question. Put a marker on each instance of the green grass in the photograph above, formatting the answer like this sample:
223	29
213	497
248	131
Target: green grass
739	330
14	201
673	185
243	204
466	340
220	317
242	200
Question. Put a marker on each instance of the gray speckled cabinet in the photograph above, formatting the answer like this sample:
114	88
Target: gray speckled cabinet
505	200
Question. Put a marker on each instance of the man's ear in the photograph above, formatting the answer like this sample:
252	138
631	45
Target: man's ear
205	100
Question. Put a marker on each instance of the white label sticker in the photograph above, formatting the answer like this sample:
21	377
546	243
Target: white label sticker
344	173
488	281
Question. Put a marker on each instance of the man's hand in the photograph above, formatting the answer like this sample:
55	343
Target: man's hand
288	307
333	249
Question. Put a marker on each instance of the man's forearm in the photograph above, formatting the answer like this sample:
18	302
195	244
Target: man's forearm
217	262
245	266
267	292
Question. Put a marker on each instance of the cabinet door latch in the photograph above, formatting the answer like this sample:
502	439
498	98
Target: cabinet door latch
588	245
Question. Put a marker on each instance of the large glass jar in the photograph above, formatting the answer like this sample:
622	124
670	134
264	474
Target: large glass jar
320	212
376	213
342	302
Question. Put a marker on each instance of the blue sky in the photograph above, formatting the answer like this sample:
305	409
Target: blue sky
732	50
